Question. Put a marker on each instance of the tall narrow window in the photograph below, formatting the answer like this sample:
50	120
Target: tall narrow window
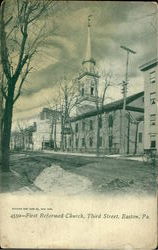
110	141
90	141
83	142
83	125
153	98
152	77
140	137
152	119
70	141
91	125
153	141
110	120
82	91
92	91
76	127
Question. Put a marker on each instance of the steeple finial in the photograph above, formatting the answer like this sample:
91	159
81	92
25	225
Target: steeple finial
89	20
88	50
89	62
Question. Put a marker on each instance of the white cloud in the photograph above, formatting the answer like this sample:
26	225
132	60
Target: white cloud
112	27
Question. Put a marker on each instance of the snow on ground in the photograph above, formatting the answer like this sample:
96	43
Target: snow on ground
55	179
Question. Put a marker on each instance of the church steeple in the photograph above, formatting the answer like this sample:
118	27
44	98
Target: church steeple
88	62
88	79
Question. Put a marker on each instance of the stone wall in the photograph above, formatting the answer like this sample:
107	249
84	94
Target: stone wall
85	134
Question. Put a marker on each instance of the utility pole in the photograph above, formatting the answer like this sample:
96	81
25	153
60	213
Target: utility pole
124	91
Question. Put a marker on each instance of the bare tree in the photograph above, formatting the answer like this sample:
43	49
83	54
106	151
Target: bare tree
22	132
54	107
61	106
1	109
18	44
68	99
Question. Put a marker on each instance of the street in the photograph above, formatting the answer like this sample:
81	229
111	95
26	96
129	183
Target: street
71	174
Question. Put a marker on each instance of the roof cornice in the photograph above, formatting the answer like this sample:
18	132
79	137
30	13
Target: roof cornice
149	64
111	107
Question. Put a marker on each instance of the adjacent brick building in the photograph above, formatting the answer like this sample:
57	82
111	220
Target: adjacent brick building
48	130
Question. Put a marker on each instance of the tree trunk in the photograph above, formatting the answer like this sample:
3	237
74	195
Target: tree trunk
6	131
51	134
128	135
23	142
62	133
98	135
71	135
136	136
1	117
55	135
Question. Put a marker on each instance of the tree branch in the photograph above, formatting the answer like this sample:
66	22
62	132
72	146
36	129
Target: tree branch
22	81
4	50
4	93
45	6
11	31
8	21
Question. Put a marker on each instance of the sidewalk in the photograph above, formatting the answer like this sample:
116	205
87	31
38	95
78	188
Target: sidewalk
70	153
115	156
132	158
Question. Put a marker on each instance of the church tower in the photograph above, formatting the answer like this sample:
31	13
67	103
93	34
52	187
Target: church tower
88	79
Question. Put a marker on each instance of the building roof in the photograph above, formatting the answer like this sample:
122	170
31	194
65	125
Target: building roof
113	106
149	64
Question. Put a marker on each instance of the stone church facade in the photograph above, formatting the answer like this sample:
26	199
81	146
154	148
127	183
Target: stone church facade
84	126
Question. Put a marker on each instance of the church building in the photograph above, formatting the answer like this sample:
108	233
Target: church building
85	125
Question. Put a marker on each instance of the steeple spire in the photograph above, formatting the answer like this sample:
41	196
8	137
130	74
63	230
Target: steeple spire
88	49
89	62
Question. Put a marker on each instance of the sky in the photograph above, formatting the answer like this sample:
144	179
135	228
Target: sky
132	24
